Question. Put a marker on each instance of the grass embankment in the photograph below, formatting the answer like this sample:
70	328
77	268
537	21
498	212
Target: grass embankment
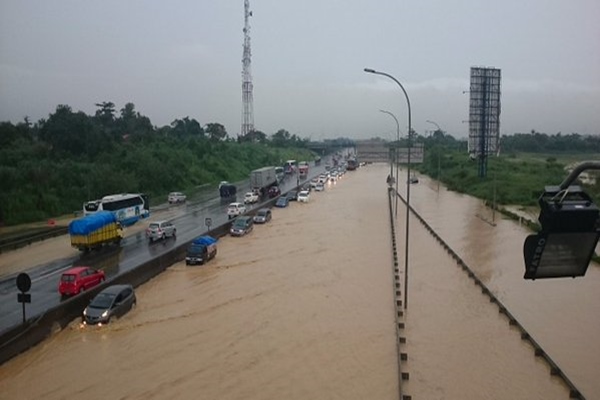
60	186
515	181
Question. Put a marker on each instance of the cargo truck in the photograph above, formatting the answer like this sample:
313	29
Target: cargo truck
352	164
263	178
303	168
226	189
201	250
95	230
279	173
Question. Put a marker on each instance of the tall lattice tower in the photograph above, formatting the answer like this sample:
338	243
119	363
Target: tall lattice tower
247	99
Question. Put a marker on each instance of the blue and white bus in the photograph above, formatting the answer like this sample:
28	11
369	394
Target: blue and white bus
127	207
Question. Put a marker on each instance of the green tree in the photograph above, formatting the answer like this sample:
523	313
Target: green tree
216	131
280	138
68	132
253	137
105	113
187	127
132	125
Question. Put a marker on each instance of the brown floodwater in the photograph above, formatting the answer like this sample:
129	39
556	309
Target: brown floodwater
303	308
560	314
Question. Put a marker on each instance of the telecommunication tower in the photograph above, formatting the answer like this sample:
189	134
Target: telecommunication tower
247	100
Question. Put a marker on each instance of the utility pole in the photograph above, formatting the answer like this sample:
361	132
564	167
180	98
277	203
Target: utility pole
247	98
494	201
441	132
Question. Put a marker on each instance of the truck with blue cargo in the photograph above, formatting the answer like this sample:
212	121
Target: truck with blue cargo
201	250
95	231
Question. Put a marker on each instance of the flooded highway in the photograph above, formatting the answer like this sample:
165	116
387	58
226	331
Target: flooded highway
303	308
45	261
561	314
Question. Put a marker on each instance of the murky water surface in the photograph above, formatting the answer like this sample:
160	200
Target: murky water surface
303	308
560	314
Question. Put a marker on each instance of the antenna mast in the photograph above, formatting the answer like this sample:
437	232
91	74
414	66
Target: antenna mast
247	100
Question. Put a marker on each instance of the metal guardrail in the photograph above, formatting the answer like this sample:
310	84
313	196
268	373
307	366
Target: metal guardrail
555	370
18	241
403	374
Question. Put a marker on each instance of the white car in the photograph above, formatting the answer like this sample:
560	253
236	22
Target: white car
177	197
250	198
235	209
304	196
160	230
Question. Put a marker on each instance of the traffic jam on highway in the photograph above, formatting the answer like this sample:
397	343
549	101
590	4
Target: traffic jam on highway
103	228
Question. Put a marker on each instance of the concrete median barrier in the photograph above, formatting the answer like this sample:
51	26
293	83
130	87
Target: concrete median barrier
38	328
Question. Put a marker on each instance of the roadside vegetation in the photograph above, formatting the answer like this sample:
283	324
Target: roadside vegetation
527	163
51	167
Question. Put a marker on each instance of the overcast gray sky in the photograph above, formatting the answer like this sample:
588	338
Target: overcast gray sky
183	58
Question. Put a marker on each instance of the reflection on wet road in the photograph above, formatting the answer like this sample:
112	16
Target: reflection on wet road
134	250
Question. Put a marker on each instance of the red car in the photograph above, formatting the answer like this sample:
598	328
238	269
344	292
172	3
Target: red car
77	279
274	191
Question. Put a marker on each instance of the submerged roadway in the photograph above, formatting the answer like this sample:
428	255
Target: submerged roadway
189	220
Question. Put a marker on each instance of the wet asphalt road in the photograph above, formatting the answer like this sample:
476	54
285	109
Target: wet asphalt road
134	250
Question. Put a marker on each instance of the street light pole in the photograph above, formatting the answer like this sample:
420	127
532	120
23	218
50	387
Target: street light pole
438	151
434	123
396	156
372	71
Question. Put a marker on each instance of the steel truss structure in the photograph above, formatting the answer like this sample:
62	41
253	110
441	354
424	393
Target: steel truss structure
484	115
247	87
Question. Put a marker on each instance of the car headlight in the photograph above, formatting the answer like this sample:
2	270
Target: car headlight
85	312
105	314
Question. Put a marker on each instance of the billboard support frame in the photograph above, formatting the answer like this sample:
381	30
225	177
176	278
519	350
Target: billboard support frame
484	115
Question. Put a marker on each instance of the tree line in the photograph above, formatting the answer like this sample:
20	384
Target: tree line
50	167
537	142
525	164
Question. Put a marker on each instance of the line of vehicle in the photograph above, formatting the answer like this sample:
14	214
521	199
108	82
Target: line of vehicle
214	207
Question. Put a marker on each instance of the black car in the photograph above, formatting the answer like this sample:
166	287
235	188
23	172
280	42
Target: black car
241	226
112	302
200	253
292	195
282	202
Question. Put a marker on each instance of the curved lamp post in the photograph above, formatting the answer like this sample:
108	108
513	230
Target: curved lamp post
395	153
372	71
439	165
434	123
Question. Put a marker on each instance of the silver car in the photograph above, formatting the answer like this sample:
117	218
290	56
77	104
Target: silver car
262	216
112	302
177	197
160	230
